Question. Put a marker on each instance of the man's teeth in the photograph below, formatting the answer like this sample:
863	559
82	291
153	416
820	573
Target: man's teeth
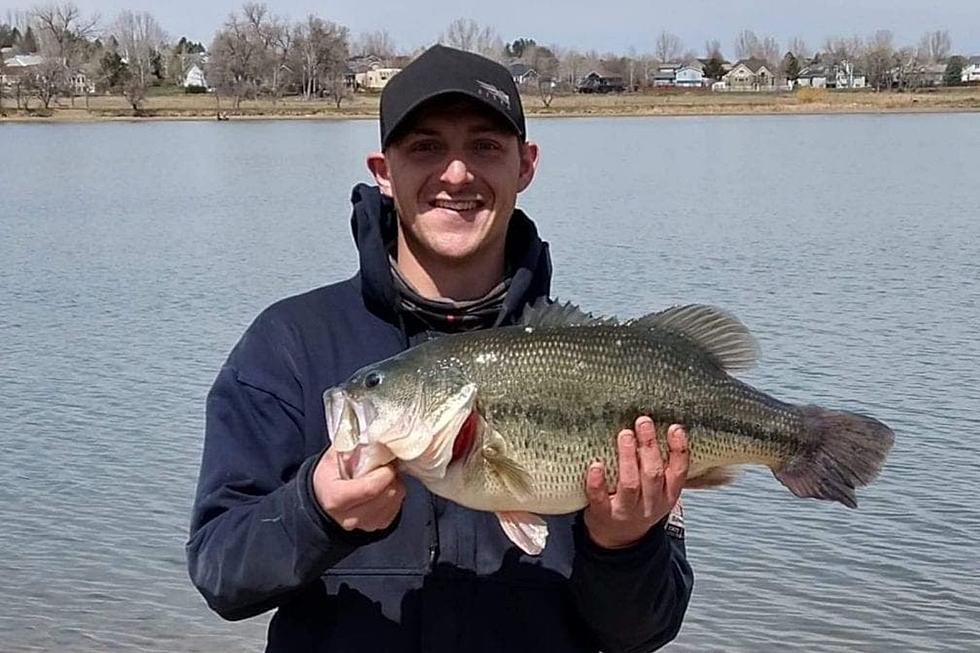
456	205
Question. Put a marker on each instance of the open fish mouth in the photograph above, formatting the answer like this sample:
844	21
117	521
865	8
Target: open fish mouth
349	423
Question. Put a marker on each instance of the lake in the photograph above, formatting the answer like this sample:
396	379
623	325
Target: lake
134	255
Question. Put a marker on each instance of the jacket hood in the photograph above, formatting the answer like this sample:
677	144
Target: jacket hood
374	225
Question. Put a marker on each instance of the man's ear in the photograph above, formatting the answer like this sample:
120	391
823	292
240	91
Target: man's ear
378	165
529	163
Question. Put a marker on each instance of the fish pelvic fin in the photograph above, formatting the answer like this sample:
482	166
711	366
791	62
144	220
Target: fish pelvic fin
842	451
717	333
525	529
514	477
713	477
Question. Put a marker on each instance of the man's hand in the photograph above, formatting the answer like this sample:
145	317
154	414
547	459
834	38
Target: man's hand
368	503
648	488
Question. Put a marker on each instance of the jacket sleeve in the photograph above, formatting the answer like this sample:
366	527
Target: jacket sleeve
257	531
632	599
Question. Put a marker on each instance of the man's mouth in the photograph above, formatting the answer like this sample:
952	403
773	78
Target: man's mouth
457	205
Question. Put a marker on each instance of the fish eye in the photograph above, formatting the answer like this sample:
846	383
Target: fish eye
372	380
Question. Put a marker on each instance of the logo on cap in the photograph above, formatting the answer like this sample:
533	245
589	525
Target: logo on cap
492	92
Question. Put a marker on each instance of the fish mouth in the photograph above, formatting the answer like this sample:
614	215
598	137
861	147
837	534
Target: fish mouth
349	426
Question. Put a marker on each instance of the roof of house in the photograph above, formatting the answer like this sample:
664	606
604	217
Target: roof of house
24	60
752	64
520	69
974	60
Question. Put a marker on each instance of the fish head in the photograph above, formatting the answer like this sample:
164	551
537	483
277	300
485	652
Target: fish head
399	410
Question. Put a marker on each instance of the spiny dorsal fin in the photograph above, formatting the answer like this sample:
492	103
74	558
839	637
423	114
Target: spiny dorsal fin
718	333
545	313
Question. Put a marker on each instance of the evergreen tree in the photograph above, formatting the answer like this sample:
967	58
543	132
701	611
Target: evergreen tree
714	68
954	71
791	66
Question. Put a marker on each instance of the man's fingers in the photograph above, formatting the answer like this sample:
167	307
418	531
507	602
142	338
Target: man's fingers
680	459
651	464
628	489
378	513
357	491
595	487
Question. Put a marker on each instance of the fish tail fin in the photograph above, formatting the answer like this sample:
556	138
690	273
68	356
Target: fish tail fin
842	451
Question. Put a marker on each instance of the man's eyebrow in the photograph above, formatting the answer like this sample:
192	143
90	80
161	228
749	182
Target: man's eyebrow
488	128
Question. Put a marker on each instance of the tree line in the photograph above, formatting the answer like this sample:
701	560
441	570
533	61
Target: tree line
255	53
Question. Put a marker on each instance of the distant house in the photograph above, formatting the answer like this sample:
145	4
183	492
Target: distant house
595	82
665	75
839	75
21	67
194	78
374	79
750	75
971	70
928	75
813	76
522	73
689	76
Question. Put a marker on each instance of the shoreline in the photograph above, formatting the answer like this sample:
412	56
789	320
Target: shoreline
656	104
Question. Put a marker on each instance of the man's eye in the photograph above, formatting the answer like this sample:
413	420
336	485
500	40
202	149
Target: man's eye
425	146
487	146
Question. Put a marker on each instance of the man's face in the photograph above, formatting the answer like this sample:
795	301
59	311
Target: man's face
454	176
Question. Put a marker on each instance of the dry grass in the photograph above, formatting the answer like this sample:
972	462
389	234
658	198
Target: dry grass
179	106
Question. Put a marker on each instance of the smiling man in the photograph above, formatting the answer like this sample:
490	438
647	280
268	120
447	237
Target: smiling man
378	563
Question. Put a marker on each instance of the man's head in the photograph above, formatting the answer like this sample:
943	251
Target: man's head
454	156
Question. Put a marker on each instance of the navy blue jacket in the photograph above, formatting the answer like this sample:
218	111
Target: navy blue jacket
442	577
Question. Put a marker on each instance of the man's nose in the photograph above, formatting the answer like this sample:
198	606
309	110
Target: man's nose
456	172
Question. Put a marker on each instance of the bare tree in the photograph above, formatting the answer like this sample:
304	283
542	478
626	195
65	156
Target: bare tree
379	43
62	34
934	47
140	40
467	34
321	53
800	50
712	49
3	70
234	60
769	50
879	59
272	37
747	44
667	47
844	48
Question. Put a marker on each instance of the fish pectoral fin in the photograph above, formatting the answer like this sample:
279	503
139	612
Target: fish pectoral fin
712	477
525	529
514	477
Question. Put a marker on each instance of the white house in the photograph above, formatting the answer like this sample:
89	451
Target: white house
195	77
971	70
375	79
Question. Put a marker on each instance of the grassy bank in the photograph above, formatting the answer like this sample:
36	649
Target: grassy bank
195	107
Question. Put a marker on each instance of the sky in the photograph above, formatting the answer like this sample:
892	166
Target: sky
606	26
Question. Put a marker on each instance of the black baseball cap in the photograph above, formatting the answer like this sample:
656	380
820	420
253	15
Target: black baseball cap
441	70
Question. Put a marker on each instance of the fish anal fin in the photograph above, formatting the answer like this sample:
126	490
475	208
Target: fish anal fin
717	333
712	477
525	529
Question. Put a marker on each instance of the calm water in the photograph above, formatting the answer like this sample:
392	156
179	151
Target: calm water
133	256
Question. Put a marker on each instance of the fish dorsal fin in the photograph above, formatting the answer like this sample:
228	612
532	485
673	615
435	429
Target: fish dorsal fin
545	313
526	530
719	334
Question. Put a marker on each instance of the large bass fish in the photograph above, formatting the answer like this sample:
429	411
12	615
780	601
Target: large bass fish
508	420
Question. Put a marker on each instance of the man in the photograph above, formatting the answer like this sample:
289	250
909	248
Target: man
378	563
